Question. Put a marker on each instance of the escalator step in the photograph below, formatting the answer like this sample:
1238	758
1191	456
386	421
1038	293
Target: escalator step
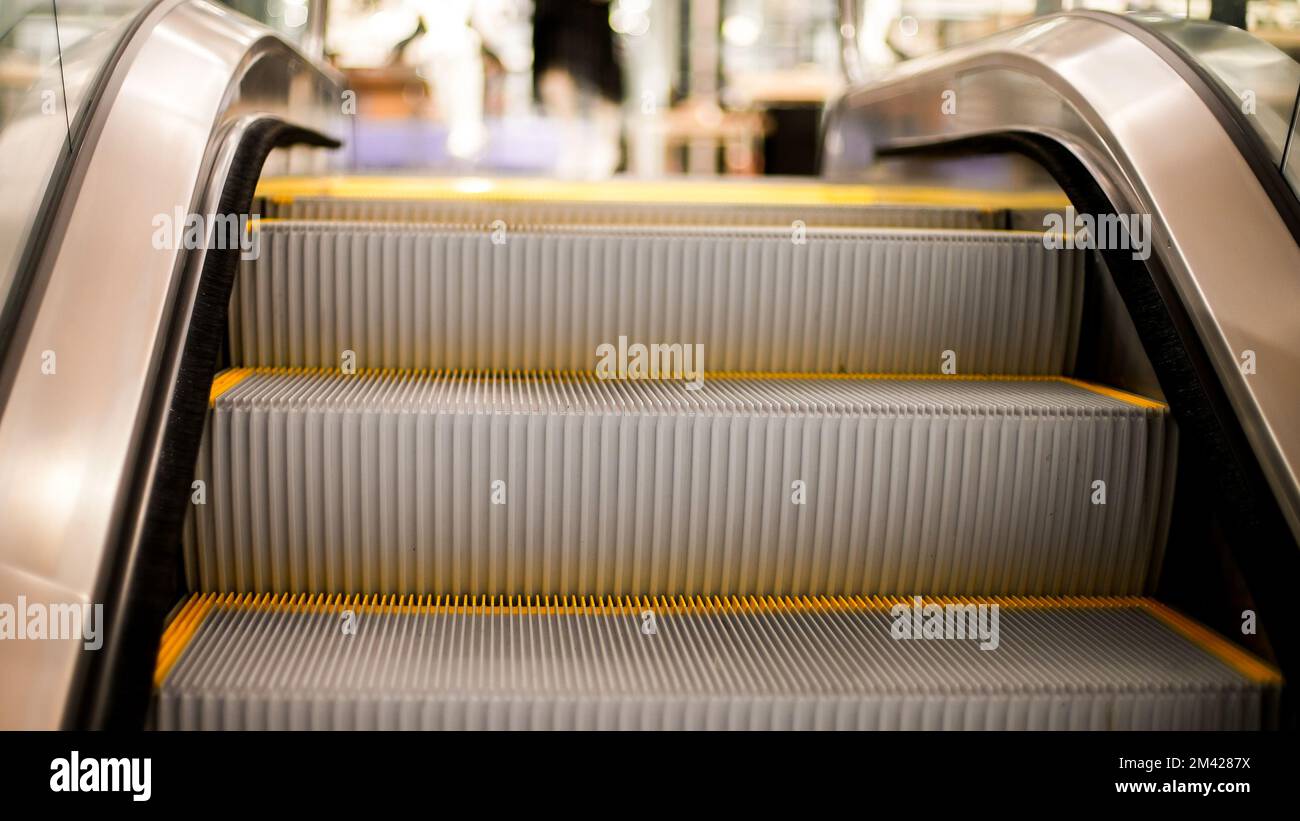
404	296
245	662
631	202
519	214
417	482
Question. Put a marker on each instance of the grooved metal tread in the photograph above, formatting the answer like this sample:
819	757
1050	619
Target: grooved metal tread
519	213
665	196
419	482
690	663
419	296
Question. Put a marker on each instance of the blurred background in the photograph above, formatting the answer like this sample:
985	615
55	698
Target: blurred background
583	89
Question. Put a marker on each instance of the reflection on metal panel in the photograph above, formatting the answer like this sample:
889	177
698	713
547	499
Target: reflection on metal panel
83	375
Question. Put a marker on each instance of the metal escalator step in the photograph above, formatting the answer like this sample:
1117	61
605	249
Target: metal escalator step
518	202
689	663
404	296
521	214
387	483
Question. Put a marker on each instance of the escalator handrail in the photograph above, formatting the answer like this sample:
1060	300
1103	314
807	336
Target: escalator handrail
1153	134
87	449
1226	108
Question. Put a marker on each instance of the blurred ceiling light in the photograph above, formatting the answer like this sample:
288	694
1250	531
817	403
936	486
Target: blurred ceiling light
908	26
741	29
295	13
630	17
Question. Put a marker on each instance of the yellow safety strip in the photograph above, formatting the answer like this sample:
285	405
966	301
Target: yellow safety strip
560	225
1218	646
1115	393
183	627
226	380
229	378
722	192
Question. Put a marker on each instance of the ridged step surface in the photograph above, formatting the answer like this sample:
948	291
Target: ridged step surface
631	201
523	213
751	663
882	301
387	483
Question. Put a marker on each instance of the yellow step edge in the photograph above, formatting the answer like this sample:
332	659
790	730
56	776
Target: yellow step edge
526	226
182	628
185	625
227	379
199	604
1116	393
1221	648
719	192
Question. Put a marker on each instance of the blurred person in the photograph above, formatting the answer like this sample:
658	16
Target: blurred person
444	41
507	30
364	33
450	54
877	22
578	80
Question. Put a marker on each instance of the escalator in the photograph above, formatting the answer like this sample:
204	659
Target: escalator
426	509
873	452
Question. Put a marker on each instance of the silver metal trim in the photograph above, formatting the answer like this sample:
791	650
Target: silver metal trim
105	302
1155	147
